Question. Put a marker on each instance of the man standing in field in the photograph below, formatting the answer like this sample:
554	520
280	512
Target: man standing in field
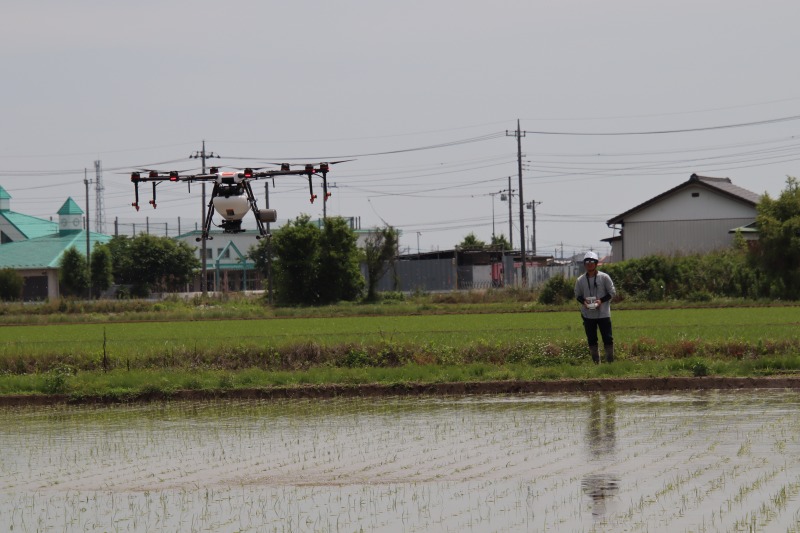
594	291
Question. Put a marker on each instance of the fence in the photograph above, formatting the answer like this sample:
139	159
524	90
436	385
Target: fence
151	226
442	275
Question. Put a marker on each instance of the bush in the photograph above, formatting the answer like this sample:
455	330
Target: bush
557	290
700	296
55	382
11	284
699	278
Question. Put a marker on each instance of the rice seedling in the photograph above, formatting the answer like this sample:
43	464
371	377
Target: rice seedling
589	462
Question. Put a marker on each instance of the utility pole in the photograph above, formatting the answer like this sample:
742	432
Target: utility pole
519	134
510	215
86	182
269	248
202	155
504	198
532	206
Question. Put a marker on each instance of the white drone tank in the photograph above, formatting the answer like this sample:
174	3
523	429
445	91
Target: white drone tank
232	207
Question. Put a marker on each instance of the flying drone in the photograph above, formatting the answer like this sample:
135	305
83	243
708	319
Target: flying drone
232	196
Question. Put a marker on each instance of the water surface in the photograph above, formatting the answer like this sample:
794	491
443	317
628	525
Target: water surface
705	461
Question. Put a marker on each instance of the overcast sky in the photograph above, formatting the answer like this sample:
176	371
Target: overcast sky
431	87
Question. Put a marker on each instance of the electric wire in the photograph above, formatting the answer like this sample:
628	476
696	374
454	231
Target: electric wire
662	132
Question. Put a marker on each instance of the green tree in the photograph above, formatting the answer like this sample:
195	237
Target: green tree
149	263
380	252
102	269
471	242
11	285
499	242
295	247
339	275
73	273
778	250
312	266
119	246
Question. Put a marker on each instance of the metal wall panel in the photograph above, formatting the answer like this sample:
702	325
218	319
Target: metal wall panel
678	237
424	275
440	275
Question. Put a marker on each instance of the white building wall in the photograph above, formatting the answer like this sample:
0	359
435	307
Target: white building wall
11	232
678	237
683	206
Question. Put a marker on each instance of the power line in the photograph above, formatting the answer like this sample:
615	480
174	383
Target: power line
449	144
661	132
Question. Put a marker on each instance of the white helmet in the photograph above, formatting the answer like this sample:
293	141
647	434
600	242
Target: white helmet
590	256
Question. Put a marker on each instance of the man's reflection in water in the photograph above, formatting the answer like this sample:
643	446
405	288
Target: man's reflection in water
601	439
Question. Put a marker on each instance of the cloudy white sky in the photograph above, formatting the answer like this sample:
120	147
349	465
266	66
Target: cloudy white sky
400	86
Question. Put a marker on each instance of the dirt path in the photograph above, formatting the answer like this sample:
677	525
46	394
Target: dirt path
423	389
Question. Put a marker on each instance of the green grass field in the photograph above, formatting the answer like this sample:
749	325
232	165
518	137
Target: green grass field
660	326
89	358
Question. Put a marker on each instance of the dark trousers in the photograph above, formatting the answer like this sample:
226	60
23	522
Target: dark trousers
591	325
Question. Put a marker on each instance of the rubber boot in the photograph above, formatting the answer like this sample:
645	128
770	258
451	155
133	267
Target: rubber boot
609	353
595	351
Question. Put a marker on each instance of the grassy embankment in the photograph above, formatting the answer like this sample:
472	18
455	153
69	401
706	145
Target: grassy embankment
123	349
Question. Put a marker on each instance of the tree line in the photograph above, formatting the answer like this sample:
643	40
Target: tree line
320	264
311	265
137	265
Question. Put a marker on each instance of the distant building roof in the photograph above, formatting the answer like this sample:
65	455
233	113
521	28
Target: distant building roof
721	185
46	252
18	227
70	208
30	227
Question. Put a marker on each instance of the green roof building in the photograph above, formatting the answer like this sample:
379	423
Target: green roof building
34	247
16	227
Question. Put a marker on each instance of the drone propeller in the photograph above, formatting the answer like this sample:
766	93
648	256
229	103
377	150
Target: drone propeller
310	169
157	172
287	166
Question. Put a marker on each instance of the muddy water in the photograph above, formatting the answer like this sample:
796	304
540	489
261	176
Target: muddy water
599	462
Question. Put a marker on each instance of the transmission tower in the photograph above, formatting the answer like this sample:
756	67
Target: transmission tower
99	210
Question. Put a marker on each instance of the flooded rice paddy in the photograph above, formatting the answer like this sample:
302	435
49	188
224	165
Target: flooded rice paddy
705	461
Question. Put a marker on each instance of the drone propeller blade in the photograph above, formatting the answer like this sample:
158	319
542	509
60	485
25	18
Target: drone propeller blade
161	171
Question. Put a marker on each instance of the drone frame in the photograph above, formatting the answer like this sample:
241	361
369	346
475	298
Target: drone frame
234	183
